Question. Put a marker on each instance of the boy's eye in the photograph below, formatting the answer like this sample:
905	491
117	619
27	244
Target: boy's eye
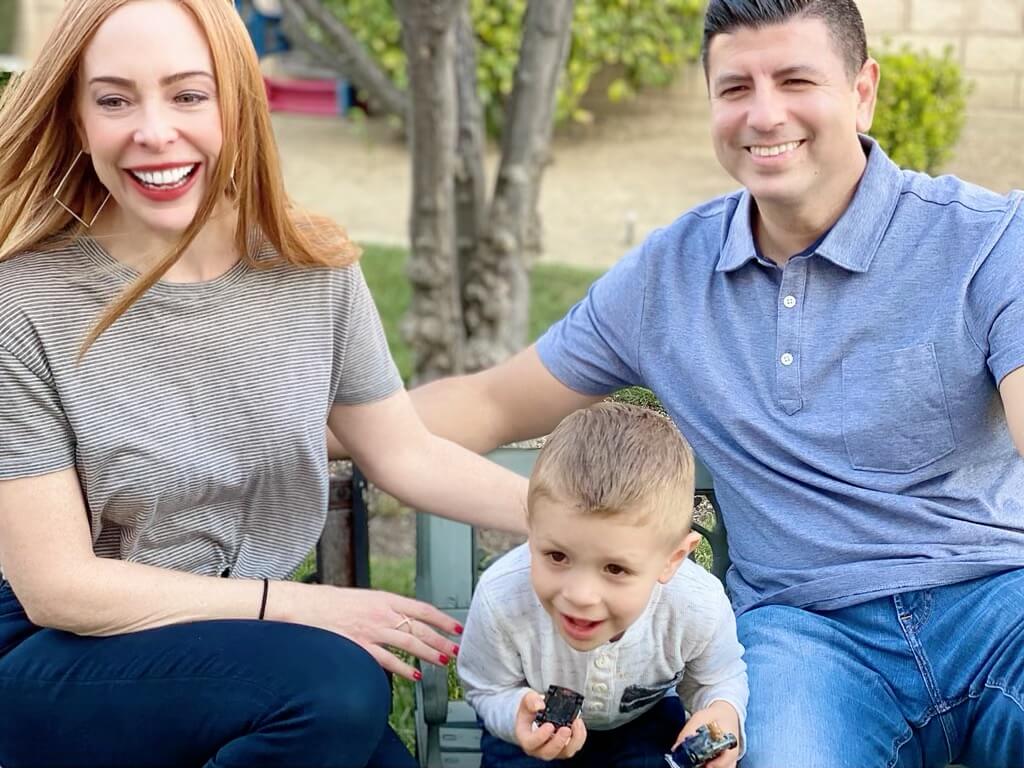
615	570
557	557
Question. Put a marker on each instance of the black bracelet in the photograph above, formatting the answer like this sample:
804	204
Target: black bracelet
263	602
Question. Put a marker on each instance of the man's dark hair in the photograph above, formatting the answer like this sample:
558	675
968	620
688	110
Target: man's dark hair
840	16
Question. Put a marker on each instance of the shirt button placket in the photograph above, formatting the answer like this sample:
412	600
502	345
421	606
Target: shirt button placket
600	678
790	313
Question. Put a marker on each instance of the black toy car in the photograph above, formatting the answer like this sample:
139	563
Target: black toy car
561	707
705	745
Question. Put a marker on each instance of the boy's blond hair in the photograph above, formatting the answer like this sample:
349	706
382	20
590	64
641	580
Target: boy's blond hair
614	458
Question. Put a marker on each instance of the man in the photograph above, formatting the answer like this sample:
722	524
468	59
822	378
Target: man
842	343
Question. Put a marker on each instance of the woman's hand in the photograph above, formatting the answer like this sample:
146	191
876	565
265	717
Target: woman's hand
371	618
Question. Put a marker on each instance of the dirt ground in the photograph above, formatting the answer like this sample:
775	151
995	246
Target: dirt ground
637	167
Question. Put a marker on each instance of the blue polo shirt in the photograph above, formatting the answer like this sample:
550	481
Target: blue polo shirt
845	403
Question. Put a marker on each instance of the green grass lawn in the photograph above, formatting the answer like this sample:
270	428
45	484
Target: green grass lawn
554	288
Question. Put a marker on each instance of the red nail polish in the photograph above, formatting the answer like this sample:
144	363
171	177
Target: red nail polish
417	674
458	629
443	658
455	650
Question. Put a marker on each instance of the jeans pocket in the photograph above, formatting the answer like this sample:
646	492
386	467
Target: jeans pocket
895	415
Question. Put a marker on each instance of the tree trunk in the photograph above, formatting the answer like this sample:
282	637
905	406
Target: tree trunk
470	176
433	325
469	265
343	53
497	288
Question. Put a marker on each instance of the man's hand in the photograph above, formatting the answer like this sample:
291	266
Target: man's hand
545	743
728	720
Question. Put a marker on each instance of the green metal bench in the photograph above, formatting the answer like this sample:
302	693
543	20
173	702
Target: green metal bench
447	564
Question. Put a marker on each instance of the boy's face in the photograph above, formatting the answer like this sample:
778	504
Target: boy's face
594	575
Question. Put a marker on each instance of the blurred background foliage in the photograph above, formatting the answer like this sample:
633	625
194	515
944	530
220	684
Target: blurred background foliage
922	103
644	42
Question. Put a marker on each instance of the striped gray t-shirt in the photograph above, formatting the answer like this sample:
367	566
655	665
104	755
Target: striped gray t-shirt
195	422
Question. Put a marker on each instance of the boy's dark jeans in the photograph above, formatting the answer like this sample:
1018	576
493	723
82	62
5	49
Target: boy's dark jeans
640	743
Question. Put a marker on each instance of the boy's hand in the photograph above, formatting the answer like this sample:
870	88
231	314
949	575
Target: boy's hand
728	720
545	743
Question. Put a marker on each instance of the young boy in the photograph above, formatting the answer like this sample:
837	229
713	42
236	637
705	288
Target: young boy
603	600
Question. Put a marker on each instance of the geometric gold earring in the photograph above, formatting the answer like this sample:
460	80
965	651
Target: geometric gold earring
60	186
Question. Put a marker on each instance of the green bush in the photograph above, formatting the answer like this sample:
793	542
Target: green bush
4	77
645	41
639	396
921	103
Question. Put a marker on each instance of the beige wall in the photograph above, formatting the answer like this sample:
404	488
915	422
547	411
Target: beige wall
987	38
35	20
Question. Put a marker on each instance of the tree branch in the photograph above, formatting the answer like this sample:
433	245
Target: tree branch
345	54
500	288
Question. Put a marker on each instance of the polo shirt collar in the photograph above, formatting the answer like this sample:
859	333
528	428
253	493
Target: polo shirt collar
855	237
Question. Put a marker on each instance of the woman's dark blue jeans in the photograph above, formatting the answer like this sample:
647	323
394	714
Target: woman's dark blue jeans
207	694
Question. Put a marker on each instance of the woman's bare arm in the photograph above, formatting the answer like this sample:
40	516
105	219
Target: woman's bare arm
393	447
46	553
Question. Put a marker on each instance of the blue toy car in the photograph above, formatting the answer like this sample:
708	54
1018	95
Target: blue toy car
705	745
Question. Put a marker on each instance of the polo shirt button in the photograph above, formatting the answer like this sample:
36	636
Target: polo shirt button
593	706
601	662
789	302
600	688
786	359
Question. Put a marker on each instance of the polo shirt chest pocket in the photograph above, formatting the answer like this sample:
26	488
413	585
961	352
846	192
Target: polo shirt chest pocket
895	415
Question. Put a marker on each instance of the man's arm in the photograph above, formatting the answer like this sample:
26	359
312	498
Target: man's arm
515	400
1012	391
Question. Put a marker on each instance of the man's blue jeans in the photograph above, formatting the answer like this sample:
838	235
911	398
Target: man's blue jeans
916	680
210	693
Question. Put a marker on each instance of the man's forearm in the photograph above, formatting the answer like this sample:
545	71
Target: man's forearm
459	410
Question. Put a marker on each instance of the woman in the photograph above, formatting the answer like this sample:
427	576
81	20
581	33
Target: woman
173	338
